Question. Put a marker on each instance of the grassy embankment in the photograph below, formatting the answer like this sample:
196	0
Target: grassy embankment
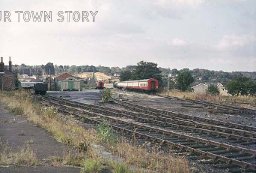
70	132
244	101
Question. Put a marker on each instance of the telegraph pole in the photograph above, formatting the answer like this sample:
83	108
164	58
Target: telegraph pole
50	79
2	81
168	78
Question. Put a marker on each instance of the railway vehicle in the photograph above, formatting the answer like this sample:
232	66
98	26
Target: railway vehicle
147	85
37	87
40	88
70	85
99	85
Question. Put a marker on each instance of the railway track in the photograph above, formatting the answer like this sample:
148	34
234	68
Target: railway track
156	112
164	131
235	135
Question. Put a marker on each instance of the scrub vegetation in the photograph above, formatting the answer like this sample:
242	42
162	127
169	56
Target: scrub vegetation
24	156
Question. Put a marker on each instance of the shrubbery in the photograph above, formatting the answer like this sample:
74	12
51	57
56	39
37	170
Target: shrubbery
213	90
241	86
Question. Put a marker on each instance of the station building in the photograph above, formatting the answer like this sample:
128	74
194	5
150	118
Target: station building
7	76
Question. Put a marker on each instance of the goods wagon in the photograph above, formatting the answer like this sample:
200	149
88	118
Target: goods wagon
149	85
70	85
40	88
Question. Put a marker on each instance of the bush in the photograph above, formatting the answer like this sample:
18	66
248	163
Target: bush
213	90
184	80
106	133
106	95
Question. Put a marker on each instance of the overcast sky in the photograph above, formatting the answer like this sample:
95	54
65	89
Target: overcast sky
210	34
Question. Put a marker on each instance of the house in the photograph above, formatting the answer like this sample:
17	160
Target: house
200	88
68	82
222	90
7	76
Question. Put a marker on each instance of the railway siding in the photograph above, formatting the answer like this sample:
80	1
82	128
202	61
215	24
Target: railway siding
127	122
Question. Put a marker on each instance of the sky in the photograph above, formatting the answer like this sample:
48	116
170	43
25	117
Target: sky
208	34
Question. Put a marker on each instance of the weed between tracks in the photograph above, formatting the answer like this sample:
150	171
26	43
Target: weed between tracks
69	131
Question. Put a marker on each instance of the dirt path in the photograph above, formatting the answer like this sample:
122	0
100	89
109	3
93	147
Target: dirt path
17	132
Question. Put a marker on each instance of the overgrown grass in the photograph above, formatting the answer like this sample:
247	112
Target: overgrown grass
17	110
120	168
71	132
244	101
92	165
106	133
25	156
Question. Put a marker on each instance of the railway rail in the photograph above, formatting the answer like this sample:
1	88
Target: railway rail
149	127
156	112
235	135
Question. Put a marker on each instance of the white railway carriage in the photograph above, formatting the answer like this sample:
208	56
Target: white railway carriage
29	84
143	85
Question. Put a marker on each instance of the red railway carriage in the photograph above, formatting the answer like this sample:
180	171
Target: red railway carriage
99	85
142	85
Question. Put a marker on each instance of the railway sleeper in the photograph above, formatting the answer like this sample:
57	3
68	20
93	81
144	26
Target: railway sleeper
209	148
247	158
229	167
247	143
234	155
220	151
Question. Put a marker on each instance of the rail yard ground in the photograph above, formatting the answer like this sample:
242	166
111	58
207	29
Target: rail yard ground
98	150
223	134
143	133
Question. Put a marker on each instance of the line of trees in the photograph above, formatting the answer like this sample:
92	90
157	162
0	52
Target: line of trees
143	70
241	86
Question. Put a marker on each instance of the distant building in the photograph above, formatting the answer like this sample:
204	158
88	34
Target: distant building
7	76
222	90
68	82
200	88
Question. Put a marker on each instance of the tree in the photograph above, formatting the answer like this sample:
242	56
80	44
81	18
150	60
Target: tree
103	69
213	90
184	80
125	75
16	81
115	70
251	87
241	86
145	70
49	68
